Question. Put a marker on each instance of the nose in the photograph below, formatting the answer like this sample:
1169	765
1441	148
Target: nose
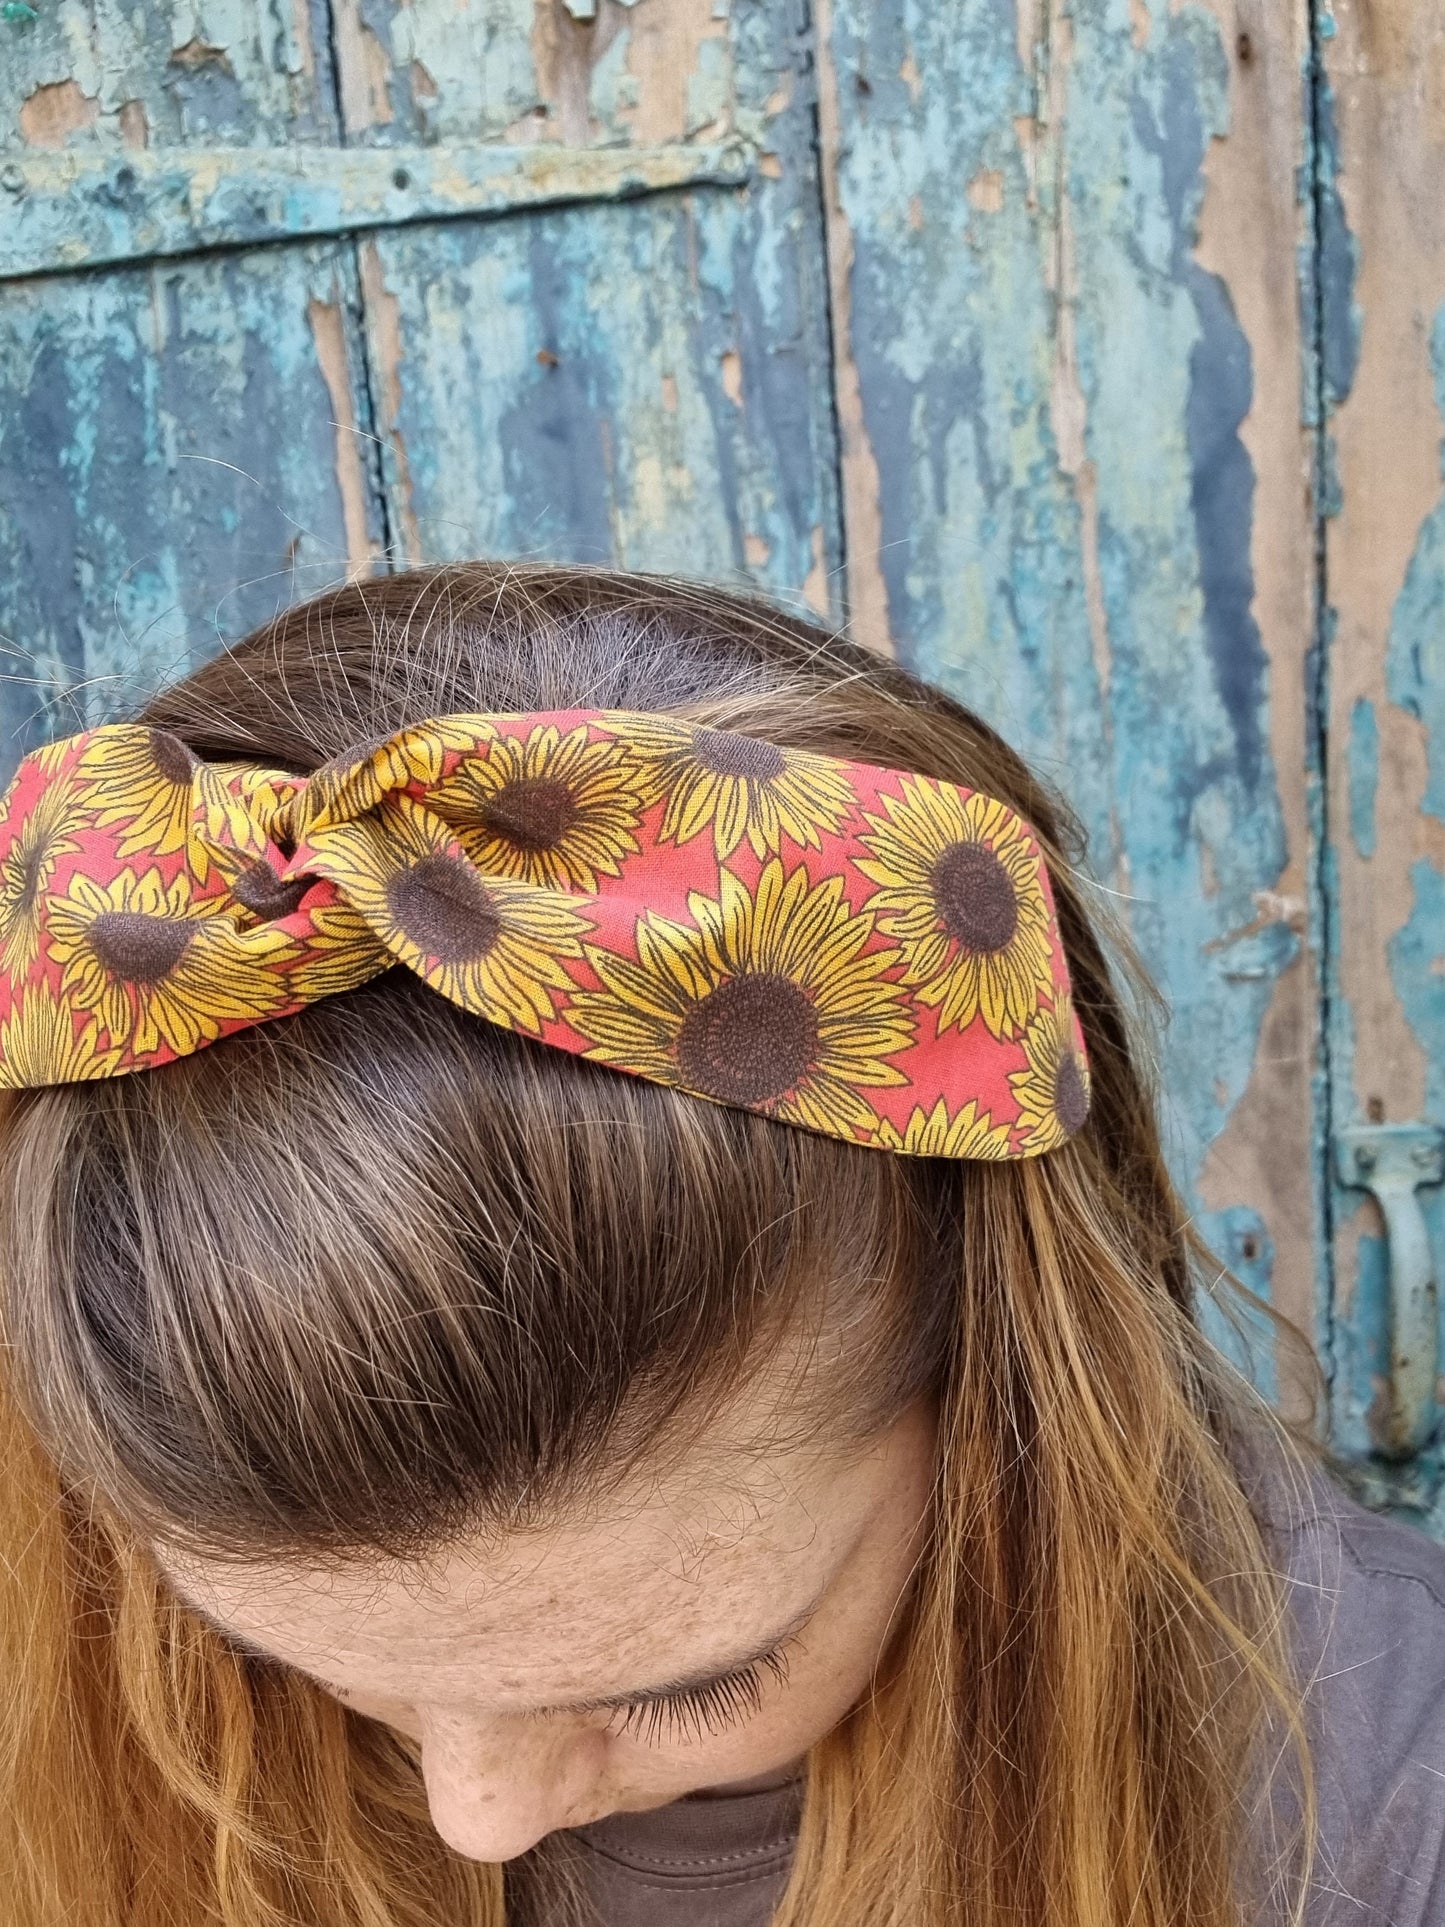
496	1788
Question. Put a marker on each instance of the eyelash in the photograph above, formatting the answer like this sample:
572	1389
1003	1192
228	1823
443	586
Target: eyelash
704	1710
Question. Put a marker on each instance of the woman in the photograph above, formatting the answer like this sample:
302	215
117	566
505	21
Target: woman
451	1479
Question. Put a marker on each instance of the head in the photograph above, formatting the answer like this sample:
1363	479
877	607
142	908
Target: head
437	1441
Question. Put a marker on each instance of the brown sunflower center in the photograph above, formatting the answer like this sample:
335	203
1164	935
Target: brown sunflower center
259	890
534	813
444	907
29	875
727	755
170	756
975	897
749	1041
1071	1100
137	948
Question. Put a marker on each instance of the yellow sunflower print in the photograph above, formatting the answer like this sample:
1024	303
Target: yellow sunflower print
551	810
490	944
25	873
262	793
341	791
959	888
138	778
769	1003
53	757
1053	1089
39	1044
157	967
236	816
340	951
969	1133
739	786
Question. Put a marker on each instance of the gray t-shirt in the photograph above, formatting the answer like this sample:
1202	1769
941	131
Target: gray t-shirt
1369	1604
717	1861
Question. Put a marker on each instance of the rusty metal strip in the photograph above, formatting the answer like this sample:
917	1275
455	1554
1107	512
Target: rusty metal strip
62	212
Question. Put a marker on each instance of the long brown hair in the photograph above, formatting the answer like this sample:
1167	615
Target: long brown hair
353	1280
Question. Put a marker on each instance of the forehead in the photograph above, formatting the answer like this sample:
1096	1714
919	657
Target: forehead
651	1579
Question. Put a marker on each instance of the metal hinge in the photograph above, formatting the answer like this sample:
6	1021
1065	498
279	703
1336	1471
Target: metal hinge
88	208
1392	1162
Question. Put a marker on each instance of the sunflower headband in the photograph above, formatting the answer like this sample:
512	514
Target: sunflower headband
862	952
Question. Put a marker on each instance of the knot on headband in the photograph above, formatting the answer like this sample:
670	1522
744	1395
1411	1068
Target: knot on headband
859	951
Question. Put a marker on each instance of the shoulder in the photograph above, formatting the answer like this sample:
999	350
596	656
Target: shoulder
1367	1599
1360	1580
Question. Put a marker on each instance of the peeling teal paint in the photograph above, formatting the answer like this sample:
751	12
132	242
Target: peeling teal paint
1221	389
1338	321
952	327
1151	709
232	71
642	382
169	435
591	347
1353	1311
611	89
1362	1340
1415	660
1364	761
1415	680
1417	970
708	88
71	211
456	72
1415	956
1354	1315
173	431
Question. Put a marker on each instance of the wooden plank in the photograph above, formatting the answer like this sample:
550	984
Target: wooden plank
625	75
180	455
183	450
145	73
1074	478
407	72
1383	329
92	209
644	384
720	429
1261	1178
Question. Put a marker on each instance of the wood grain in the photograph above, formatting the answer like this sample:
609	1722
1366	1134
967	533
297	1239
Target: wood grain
645	384
1384	326
1075	479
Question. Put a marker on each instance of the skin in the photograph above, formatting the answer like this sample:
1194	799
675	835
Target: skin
524	1664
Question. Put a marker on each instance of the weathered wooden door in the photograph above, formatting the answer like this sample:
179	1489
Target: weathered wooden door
1079	350
1381	331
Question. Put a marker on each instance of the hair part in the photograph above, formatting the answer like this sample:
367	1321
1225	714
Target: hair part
362	1278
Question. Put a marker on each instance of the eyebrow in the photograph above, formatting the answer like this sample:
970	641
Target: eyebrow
669	1689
